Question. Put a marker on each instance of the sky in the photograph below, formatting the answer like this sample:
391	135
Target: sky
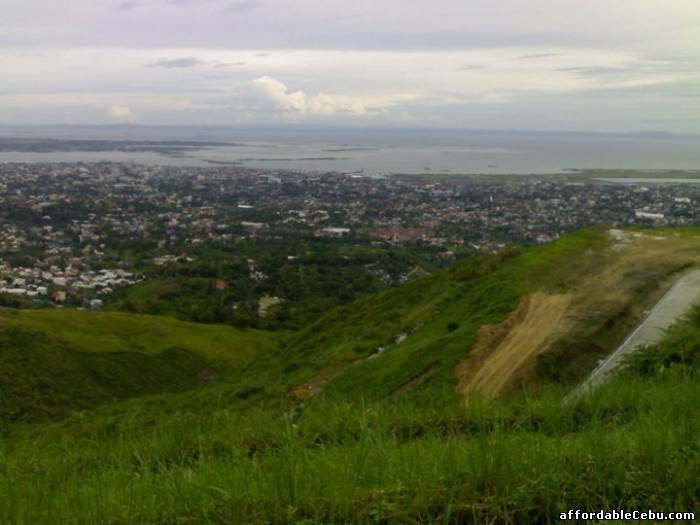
580	65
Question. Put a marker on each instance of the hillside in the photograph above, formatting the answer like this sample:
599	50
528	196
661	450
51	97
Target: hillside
55	361
571	301
435	402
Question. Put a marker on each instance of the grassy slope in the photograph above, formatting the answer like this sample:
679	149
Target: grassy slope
524	459
361	453
121	332
55	361
443	313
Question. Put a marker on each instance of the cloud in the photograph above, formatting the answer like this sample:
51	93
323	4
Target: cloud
229	64
190	2
635	67
241	7
186	62
121	114
298	102
536	56
632	72
329	87
176	63
127	5
596	71
640	26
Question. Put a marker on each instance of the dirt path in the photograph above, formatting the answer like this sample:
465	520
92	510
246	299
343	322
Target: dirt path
676	302
503	352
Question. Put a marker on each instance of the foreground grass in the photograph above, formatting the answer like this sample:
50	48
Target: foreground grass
634	445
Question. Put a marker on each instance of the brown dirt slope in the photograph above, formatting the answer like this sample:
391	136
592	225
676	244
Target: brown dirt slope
616	285
503	352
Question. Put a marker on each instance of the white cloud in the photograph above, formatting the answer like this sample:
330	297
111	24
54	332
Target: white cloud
176	63
302	104
121	114
492	87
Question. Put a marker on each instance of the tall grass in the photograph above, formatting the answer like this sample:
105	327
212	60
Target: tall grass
634	444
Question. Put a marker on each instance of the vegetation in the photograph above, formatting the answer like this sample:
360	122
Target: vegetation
310	276
53	362
633	445
355	419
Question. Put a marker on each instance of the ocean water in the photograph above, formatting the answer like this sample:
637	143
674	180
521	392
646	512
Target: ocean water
395	151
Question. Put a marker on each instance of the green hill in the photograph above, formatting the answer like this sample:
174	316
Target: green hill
437	319
435	402
53	362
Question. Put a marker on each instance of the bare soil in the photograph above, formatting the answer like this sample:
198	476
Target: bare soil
502	352
621	282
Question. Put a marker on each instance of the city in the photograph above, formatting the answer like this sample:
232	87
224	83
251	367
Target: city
76	233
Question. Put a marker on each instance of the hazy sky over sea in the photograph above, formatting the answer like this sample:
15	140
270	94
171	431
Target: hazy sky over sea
588	65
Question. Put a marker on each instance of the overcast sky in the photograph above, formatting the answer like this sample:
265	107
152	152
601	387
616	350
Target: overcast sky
588	65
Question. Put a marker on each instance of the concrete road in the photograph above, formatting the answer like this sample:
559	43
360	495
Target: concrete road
676	302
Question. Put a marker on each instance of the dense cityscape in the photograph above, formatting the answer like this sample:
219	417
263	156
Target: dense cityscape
77	233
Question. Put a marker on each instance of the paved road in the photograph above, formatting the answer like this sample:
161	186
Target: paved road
682	295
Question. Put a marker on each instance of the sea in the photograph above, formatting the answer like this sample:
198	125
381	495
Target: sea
377	151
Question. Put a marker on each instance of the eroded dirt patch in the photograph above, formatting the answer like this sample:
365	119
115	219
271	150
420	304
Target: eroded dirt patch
502	353
613	289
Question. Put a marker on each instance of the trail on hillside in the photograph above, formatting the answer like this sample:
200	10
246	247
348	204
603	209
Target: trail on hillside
504	351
